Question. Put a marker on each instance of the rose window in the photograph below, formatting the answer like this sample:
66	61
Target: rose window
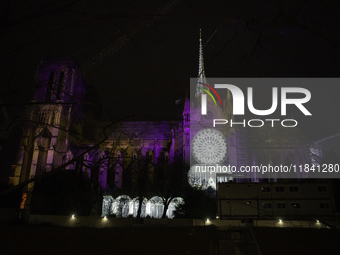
209	147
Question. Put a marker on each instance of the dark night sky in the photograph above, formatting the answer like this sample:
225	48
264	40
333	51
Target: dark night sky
250	39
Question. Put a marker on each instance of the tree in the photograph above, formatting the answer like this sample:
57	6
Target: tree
57	109
198	204
145	176
65	192
170	180
141	180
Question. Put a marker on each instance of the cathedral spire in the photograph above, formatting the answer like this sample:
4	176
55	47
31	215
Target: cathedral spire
201	73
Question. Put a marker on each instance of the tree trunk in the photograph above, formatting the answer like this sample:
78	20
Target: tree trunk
166	206
140	200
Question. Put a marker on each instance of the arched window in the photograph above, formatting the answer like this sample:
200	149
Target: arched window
162	155
60	85
40	118
118	171
52	118
155	207
44	141
95	168
135	204
149	156
107	205
48	95
166	156
122	204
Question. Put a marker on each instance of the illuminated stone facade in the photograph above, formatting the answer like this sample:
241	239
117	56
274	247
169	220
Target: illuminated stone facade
61	127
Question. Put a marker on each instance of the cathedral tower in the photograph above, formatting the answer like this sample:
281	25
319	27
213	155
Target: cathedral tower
54	119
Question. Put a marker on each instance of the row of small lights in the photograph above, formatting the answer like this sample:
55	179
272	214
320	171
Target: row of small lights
317	221
280	221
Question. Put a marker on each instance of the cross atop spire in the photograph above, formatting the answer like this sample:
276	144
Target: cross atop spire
201	73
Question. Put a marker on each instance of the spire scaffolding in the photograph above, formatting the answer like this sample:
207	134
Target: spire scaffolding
201	73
